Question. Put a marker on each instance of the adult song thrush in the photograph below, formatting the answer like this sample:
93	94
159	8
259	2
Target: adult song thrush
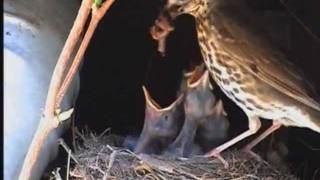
249	69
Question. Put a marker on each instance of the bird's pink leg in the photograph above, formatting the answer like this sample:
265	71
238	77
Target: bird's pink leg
248	148
254	126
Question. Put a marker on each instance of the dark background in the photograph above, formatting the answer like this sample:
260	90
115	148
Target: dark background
122	57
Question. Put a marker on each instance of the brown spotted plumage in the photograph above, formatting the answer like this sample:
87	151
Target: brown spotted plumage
248	68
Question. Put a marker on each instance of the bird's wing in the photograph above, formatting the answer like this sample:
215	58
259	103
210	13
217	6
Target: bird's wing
260	58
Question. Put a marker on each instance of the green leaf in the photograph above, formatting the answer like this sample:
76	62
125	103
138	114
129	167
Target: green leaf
62	116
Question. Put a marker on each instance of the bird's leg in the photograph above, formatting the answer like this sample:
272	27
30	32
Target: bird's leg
248	148
160	31
254	126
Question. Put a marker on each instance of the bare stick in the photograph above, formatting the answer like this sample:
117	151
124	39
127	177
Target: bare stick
67	149
68	164
56	174
47	123
73	129
110	164
97	14
65	56
104	132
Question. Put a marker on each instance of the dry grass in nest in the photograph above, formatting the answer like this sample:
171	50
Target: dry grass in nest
98	157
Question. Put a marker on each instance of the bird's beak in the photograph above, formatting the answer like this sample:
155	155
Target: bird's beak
198	76
150	102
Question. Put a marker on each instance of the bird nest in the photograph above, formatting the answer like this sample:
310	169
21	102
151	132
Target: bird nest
100	157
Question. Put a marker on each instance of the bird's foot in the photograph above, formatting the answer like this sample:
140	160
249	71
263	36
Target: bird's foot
216	153
253	154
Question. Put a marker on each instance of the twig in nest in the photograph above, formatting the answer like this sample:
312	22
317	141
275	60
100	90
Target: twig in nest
110	164
164	166
76	175
160	165
73	132
162	177
68	150
188	174
104	132
151	176
80	134
68	164
110	148
56	174
246	177
97	168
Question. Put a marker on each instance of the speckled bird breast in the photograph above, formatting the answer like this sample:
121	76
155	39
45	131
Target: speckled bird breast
235	81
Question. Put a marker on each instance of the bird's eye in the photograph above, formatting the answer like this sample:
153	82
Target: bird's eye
166	117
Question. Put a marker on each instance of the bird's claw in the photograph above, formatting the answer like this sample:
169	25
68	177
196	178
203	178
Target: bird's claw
216	153
253	154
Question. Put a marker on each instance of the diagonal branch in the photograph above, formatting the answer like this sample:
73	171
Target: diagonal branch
47	123
97	14
70	43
